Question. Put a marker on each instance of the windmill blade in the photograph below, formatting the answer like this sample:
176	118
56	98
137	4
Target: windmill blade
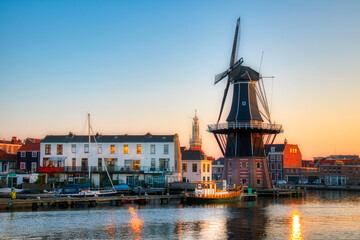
235	44
224	98
220	76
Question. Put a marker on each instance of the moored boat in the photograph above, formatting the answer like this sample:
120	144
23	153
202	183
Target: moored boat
206	192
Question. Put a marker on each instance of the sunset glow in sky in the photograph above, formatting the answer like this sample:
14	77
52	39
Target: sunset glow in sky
145	66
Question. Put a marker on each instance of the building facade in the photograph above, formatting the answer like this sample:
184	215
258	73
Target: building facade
282	157
218	169
137	160
195	166
10	147
28	157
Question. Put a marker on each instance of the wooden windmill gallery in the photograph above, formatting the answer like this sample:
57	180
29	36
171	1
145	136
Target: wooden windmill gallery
248	127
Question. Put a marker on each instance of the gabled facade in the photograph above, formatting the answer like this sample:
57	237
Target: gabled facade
10	146
132	159
195	165
218	169
28	157
284	159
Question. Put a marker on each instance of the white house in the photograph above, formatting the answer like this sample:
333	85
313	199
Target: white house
148	159
195	166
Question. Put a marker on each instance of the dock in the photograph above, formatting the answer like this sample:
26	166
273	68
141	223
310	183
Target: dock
281	192
34	204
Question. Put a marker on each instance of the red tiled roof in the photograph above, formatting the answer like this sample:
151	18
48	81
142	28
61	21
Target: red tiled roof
8	157
30	147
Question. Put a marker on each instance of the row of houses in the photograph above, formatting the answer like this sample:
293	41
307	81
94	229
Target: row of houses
137	160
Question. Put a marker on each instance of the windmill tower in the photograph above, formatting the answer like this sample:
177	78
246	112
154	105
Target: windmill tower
241	139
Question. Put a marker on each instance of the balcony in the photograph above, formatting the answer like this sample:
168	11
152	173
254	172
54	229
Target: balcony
245	125
50	169
112	169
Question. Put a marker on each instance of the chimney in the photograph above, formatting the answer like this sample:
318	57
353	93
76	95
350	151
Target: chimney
13	140
285	141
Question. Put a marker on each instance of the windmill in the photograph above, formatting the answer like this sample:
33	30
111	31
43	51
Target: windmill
241	139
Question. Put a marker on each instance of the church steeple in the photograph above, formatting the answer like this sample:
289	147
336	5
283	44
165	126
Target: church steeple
195	140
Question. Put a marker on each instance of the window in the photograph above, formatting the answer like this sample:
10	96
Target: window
272	157
74	162
138	148
112	148
164	163
272	149
110	163
229	165
33	167
84	163
47	149
34	153
203	167
272	166
295	150
99	162
273	176
258	165
184	167
126	148
73	148
258	181
208	178
152	149
22	165
194	167
204	178
279	176
278	157
166	149
243	165
99	149
208	168
244	180
279	166
23	154
153	163
59	149
86	148
132	164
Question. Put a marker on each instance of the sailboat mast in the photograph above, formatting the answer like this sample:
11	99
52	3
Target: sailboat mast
89	148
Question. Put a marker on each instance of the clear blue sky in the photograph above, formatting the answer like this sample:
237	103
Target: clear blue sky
140	66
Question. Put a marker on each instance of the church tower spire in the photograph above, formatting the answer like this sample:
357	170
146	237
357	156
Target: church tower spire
195	140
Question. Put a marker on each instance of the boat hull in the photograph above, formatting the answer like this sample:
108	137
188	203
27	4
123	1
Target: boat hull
192	199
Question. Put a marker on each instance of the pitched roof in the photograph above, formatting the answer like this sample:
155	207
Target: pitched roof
108	138
193	155
219	161
278	147
30	147
8	157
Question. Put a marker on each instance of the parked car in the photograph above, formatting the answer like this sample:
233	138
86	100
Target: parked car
303	181
281	182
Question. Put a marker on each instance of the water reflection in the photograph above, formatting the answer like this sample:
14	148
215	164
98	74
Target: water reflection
135	223
295	226
110	227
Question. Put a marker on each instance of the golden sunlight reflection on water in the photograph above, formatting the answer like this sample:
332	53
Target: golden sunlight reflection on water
135	223
296	233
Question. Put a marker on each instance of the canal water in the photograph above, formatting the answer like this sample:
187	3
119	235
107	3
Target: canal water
320	215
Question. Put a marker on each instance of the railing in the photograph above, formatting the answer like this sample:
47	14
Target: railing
50	169
229	194
118	169
244	125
